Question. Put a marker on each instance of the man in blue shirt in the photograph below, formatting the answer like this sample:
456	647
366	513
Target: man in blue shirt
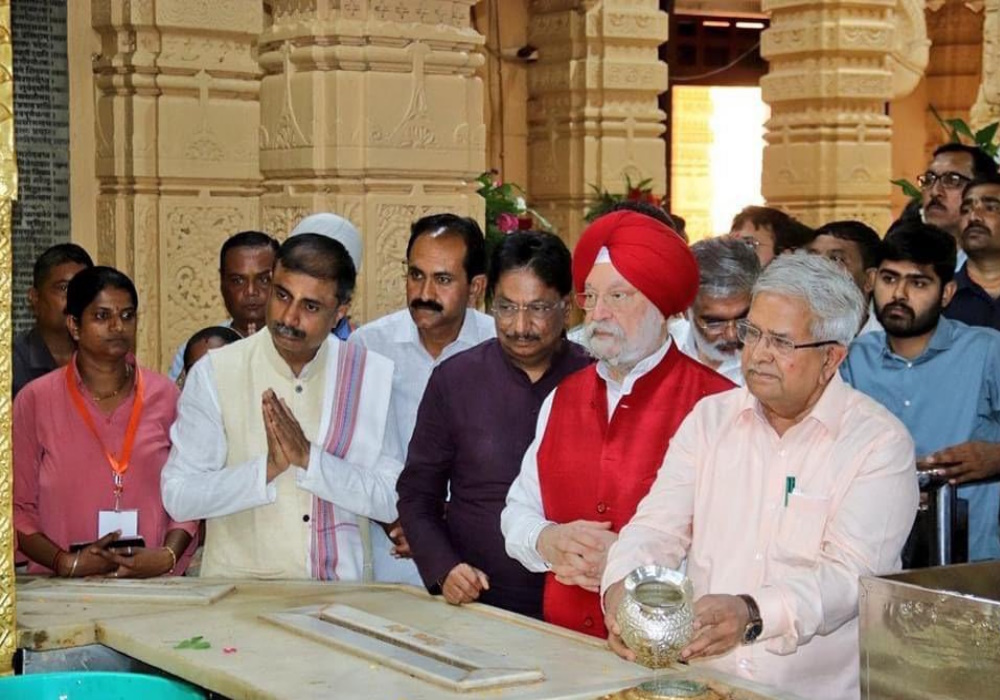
940	377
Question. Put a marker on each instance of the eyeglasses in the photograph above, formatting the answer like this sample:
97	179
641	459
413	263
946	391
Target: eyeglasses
615	301
949	180
750	335
536	310
719	326
749	241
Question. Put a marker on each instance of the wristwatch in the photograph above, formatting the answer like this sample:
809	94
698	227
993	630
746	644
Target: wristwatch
755	626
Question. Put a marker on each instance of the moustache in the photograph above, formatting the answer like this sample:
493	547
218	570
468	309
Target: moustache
729	347
609	327
288	331
898	306
523	337
427	304
976	228
936	203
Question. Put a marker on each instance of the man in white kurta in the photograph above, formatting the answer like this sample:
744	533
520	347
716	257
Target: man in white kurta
305	521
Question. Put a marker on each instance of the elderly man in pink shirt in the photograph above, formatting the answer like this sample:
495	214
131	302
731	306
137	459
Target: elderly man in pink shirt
780	495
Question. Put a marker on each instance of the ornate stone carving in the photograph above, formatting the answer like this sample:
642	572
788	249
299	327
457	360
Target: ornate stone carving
593	113
831	72
8	187
987	106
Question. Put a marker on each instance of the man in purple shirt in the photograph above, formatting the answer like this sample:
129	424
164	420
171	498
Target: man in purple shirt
475	421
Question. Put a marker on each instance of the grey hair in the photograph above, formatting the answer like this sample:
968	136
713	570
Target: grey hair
726	266
836	301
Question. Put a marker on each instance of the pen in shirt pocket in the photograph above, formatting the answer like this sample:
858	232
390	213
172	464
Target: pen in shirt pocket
789	488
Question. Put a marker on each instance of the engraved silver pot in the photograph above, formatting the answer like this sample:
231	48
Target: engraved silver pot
656	614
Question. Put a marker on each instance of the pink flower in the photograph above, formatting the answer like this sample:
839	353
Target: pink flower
507	223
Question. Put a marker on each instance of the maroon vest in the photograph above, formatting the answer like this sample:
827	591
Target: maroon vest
590	469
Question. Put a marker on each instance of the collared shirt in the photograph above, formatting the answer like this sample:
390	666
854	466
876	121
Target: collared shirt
872	324
523	518
948	395
31	359
475	422
396	336
683	334
62	478
721	498
972	304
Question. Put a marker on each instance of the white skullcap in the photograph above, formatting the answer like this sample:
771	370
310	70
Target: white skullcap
603	255
336	227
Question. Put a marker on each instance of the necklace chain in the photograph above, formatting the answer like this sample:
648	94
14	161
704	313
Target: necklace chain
113	394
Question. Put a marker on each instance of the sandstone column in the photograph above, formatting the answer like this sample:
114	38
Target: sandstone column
987	107
177	114
593	116
834	65
371	109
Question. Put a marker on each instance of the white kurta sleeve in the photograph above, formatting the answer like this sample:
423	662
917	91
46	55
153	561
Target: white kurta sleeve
366	491
523	518
195	482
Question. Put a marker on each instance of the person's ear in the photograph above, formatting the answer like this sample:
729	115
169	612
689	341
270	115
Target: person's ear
73	327
948	292
33	300
835	355
477	287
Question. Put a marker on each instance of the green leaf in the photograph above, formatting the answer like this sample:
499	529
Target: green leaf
984	137
198	642
909	189
960	127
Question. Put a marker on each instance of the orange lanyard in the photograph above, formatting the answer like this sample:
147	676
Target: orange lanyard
118	465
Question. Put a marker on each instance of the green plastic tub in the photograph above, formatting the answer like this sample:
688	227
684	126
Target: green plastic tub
95	685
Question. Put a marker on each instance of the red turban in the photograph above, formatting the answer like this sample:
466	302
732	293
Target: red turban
647	253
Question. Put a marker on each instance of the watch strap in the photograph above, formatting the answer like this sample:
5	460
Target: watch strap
755	625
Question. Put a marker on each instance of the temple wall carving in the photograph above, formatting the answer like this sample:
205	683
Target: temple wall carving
834	65
592	115
177	169
986	109
372	110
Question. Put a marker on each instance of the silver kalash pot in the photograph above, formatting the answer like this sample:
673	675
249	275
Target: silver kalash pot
656	615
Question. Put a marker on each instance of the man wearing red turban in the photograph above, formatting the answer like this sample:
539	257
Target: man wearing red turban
603	432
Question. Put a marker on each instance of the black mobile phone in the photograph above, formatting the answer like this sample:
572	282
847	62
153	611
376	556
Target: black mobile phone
133	542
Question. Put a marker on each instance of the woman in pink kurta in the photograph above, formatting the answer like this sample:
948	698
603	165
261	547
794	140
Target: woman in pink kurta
64	464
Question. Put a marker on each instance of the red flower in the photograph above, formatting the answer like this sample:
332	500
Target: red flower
507	222
525	223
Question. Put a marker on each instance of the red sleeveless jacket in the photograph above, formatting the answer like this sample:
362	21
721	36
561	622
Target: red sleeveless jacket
590	469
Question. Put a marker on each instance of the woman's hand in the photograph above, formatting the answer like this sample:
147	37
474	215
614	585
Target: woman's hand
140	562
88	561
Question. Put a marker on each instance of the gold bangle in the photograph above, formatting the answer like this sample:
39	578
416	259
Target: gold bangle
72	570
173	559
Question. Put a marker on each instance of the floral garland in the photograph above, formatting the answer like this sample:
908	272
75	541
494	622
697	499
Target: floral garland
506	209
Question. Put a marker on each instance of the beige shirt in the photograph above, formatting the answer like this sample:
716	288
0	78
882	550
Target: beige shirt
720	500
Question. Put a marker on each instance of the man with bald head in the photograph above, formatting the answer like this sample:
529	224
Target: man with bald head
603	432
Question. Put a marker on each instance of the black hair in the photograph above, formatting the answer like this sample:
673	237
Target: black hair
991	179
922	244
57	255
321	257
87	284
861	234
982	164
246	239
224	333
543	253
789	233
464	227
647	208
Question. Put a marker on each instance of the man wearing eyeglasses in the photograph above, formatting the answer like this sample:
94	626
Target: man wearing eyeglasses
780	495
727	270
953	166
476	420
445	279
602	433
939	376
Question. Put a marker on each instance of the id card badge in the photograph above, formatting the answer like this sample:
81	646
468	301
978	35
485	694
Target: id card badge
125	520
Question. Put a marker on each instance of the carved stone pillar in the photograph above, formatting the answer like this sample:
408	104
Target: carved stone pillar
691	153
987	107
955	28
593	116
177	115
828	153
371	109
